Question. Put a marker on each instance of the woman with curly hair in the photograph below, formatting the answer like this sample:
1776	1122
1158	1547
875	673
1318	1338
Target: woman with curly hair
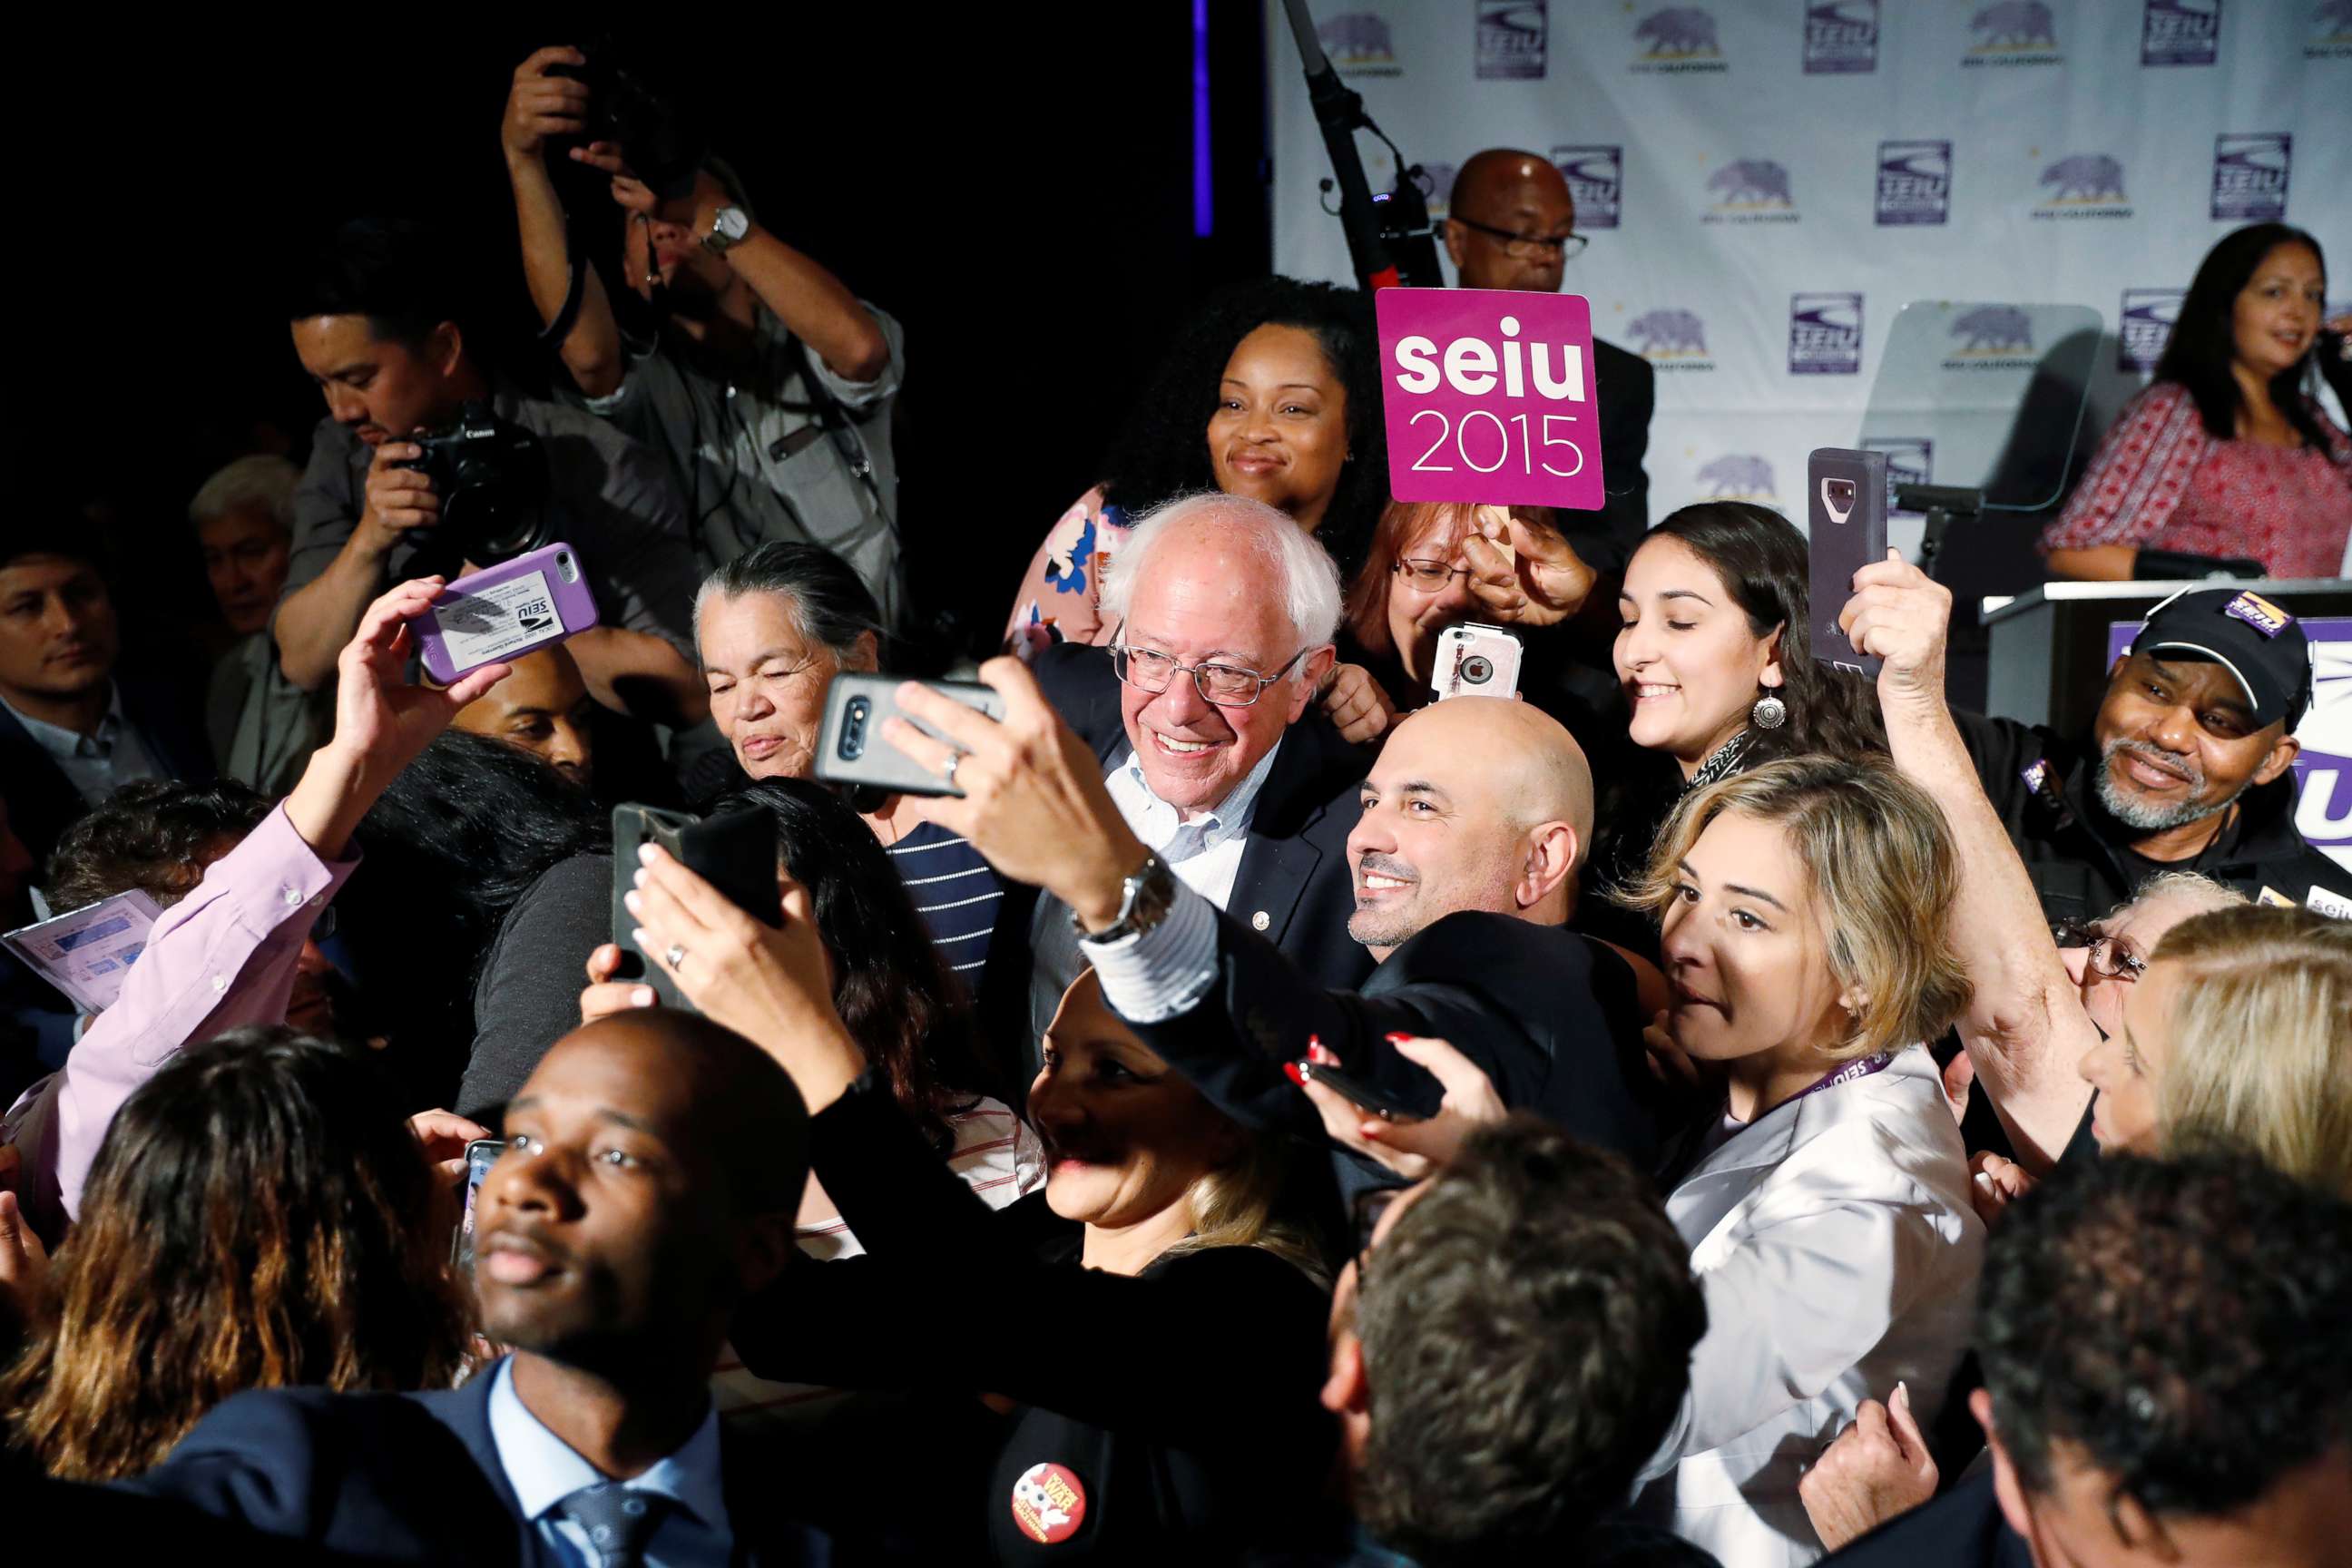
258	1216
1271	391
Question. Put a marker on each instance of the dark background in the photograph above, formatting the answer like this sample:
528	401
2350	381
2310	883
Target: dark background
1015	187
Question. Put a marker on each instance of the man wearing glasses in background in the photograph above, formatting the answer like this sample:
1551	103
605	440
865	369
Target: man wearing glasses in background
1203	713
1511	224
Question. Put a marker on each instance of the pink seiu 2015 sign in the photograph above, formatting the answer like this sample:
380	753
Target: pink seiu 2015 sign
1489	397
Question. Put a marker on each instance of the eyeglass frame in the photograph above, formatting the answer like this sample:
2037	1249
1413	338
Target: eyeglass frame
1569	244
2119	962
1406	567
1122	652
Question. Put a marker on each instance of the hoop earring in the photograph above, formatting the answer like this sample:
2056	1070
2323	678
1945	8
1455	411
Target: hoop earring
1769	712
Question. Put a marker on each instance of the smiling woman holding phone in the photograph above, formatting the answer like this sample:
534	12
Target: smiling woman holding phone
1142	1416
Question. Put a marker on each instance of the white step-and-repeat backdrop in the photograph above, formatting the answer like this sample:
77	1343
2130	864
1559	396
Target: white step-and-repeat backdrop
1766	183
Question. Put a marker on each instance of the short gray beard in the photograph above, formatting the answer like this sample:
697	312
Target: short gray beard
2141	816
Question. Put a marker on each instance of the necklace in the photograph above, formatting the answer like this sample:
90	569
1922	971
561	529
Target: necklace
1723	759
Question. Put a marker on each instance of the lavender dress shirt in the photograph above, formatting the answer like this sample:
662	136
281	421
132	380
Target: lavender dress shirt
221	958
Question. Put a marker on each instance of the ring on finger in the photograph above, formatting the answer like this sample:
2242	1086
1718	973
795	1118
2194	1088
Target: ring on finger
955	761
676	956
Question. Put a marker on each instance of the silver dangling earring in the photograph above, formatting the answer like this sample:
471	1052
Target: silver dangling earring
1769	712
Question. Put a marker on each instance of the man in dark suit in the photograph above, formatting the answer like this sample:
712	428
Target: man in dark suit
1510	223
2165	1383
1462	862
652	1168
69	731
1202	724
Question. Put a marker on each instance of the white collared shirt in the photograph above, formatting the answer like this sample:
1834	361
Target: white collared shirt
1224	827
95	765
544	1469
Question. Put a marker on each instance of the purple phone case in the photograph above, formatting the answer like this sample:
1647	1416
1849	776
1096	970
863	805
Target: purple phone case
510	613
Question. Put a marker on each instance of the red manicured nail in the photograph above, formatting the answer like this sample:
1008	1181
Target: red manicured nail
1296	1072
1398	1039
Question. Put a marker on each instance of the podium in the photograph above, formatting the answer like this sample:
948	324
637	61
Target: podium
2048	645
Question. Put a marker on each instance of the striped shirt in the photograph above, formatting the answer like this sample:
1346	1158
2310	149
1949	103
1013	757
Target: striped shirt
955	892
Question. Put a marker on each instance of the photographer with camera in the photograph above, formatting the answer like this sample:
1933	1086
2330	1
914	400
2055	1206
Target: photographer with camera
425	460
770	385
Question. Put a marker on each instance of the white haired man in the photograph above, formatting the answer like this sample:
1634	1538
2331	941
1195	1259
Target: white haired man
263	728
1202	710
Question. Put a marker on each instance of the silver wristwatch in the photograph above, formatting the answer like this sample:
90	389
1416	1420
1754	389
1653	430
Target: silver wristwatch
727	227
1145	898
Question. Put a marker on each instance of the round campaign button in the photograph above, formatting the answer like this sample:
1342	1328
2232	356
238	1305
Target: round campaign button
1048	1503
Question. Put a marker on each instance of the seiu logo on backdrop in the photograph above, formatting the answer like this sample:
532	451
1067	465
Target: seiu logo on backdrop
1440	180
1841	36
1511	40
2084	184
1358	44
1737	476
2144	326
2250	170
1824	334
2014	33
1671	339
1910	459
2331	31
2181	33
1596	178
1992	337
1678	40
1915	182
1750	190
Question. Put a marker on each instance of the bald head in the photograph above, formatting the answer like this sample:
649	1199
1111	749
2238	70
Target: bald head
709	1088
1477	802
1500	193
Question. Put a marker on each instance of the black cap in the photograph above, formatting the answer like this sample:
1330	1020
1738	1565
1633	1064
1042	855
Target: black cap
2252	637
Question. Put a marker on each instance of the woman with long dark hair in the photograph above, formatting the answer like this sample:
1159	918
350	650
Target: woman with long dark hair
1714	655
258	1216
1271	391
2227	454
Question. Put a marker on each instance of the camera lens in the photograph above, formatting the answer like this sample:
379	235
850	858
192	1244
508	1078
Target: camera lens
852	730
1477	669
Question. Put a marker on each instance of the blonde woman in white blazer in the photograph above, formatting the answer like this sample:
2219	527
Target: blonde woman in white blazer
1803	907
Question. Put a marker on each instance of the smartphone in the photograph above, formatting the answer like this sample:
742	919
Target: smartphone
1846	510
480	1156
1475	660
734	851
1362	1095
851	751
529	602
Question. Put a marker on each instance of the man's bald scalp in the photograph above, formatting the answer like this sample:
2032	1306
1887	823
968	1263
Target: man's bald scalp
742	1104
1498	169
1529	752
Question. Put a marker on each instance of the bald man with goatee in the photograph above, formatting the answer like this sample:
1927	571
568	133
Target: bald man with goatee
1510	223
1472	827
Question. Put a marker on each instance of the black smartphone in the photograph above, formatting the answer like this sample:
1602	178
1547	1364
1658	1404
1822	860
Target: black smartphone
734	851
851	749
480	1156
1845	513
1362	1095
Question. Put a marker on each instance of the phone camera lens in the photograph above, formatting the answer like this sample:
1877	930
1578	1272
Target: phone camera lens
852	730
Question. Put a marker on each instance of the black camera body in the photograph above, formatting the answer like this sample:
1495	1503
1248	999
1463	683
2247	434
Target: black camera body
491	476
662	139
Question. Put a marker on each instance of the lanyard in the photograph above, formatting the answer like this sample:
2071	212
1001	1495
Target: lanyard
1847	1072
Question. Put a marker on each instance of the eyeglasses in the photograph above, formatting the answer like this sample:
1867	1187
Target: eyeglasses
324	926
1528	246
2107	955
1226	685
1367	1208
1428	575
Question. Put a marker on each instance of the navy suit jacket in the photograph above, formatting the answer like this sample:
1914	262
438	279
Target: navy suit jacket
410	1478
43	802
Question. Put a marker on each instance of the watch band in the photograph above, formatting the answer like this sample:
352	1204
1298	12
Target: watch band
1145	898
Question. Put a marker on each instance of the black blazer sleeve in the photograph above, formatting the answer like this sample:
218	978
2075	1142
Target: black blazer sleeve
1627	389
942	1300
529	994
